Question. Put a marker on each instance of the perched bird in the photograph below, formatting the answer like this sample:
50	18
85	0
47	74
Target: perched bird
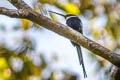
75	23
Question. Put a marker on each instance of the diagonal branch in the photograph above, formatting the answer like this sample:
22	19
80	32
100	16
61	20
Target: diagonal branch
67	32
78	38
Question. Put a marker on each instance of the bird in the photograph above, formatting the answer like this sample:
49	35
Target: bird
75	23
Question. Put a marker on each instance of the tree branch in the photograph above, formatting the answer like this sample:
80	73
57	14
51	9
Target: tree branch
13	13
20	4
68	33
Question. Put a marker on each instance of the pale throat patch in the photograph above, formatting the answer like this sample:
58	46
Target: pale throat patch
70	17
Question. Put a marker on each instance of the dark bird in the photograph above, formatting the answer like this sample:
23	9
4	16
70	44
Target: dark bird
75	23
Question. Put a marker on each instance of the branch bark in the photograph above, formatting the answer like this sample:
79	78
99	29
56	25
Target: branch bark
13	13
65	31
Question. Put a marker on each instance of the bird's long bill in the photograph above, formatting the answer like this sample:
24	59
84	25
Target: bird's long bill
57	13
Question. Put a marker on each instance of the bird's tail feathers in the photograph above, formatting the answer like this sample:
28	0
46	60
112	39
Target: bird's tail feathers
81	60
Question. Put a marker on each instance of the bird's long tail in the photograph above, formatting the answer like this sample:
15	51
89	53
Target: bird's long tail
81	60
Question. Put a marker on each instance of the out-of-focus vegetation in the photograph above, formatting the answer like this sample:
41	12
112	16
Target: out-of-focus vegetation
104	26
22	67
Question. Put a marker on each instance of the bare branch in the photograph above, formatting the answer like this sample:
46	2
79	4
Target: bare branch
68	33
13	13
20	4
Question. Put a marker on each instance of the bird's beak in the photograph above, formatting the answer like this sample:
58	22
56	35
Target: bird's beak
58	13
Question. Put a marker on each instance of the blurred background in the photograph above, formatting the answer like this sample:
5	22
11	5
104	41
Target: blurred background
30	52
